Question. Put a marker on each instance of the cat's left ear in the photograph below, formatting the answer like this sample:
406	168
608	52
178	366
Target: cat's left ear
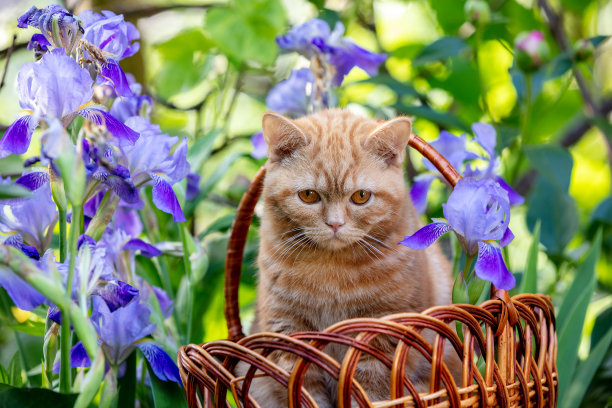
389	140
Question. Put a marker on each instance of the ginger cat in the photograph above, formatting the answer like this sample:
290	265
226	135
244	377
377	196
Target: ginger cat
335	207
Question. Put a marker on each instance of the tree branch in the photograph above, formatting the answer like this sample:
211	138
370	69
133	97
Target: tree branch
9	52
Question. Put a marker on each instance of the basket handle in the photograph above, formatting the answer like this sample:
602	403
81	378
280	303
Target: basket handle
235	247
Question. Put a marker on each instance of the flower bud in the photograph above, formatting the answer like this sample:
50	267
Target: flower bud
532	51
477	11
60	28
583	49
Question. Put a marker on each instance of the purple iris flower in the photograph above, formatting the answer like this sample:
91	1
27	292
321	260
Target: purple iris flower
315	37
39	44
486	137
116	241
478	212
21	292
151	161
193	186
260	147
33	218
44	95
78	358
111	33
453	148
289	97
134	105
68	32
122	330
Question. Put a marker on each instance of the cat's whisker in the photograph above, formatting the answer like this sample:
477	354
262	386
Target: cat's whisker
384	244
366	250
284	243
290	231
373	248
288	251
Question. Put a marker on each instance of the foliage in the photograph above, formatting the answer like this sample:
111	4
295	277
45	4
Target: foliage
538	73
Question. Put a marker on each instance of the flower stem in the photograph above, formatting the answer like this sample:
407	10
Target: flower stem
62	234
66	337
191	293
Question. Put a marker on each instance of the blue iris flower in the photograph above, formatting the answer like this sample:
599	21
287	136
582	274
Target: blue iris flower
454	149
44	96
478	212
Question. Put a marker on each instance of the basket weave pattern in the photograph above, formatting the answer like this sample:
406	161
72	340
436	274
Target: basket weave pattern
507	346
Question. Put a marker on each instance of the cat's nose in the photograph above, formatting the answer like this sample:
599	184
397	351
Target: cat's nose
335	225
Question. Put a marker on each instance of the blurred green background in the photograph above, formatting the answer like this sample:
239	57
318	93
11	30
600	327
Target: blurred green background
209	66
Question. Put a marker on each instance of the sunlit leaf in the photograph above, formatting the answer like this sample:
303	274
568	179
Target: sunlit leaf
586	371
530	278
439	50
571	315
247	30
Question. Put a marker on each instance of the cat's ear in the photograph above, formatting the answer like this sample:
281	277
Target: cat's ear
282	136
389	140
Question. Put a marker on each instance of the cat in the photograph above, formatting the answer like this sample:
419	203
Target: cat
335	206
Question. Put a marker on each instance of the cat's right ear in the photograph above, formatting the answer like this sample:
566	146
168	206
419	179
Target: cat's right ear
282	136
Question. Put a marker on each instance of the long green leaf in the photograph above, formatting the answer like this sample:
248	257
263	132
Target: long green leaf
11	397
570	319
586	371
166	394
201	149
13	191
4	377
530	278
15	371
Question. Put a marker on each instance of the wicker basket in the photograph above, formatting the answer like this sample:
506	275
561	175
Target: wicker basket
514	337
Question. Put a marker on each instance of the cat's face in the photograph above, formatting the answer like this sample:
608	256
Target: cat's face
334	180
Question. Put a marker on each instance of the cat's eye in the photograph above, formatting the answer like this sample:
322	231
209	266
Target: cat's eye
308	196
361	196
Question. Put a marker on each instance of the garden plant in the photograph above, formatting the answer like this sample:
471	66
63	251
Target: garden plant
130	131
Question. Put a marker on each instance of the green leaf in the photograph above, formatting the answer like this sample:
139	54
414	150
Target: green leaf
13	191
166	394
441	118
201	149
460	290
475	288
247	31
221	224
4	376
552	162
440	49
93	380
15	371
30	327
400	88
557	212
586	371
530	278
213	179
598	39
127	383
11	397
186	62
571	316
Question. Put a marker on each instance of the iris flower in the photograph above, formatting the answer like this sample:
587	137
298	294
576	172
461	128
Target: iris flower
68	29
315	37
127	328
478	212
454	149
289	97
43	95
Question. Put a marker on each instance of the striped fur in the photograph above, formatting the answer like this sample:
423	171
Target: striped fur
311	278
